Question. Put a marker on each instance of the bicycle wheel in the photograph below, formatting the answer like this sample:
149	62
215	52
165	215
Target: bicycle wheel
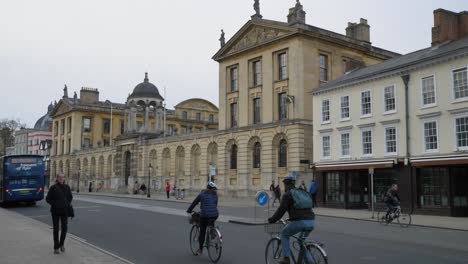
404	220
317	255
381	217
214	244
273	251
194	232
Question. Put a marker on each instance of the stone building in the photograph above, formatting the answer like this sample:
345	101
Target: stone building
404	120
266	71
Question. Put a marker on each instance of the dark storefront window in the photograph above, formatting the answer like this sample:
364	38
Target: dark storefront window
433	190
335	187
381	185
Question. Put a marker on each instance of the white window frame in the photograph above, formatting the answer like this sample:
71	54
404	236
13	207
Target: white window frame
455	140
372	142
349	109
424	137
453	85
423	106
349	144
360	103
330	146
396	140
385	102
329	111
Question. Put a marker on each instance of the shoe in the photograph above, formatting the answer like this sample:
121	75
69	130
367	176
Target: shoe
56	251
199	252
283	260
62	248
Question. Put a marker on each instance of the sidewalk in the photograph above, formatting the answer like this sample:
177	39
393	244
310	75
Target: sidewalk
24	240
447	222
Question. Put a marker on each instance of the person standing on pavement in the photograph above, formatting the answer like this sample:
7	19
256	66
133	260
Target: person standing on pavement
277	195
303	186
313	193
59	197
168	189
272	189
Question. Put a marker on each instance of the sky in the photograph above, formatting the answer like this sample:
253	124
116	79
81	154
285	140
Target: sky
110	44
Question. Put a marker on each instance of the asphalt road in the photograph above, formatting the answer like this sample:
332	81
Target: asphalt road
157	232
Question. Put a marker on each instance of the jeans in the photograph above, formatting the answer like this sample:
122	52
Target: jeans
204	223
291	229
64	221
313	196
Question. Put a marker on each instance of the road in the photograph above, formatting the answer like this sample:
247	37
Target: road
157	232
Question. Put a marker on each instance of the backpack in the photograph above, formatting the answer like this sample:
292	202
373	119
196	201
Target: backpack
301	199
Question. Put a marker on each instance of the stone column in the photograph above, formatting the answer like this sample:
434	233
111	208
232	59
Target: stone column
133	121
147	125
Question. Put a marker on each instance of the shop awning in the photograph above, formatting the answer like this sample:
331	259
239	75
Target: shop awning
439	160
355	165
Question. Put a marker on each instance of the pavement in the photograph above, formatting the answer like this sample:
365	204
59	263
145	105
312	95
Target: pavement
25	240
446	222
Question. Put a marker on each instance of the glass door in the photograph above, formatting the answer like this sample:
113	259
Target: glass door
459	183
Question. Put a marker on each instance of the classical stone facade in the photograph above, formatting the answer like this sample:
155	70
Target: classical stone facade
266	71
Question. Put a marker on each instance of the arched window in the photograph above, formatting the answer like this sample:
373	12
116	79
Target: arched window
234	157
257	155
283	154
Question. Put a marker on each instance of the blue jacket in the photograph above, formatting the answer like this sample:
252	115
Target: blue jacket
209	204
312	187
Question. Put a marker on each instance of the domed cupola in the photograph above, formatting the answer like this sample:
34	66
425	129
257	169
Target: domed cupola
145	90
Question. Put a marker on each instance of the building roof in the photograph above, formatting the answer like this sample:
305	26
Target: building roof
398	64
146	89
44	122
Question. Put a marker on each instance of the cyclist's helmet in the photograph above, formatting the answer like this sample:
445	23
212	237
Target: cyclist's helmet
212	185
289	180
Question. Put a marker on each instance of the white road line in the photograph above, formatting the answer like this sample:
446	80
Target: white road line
86	207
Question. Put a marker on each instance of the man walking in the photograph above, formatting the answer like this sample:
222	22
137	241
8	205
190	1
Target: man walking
59	197
313	193
168	189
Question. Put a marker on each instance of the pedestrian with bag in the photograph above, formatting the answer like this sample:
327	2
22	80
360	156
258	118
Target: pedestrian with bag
313	193
60	197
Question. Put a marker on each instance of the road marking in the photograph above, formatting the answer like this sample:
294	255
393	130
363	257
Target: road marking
39	216
86	207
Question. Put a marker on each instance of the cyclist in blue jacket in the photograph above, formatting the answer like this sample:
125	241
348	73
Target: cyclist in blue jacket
208	211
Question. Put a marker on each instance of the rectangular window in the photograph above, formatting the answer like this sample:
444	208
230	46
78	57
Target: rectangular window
367	142
390	140
256	110
62	127
234	115
344	107
106	126
69	146
56	128
323	68
434	189
335	187
282	66
460	83
430	136
325	110
122	126
326	153
198	116
87	143
87	124
428	91
282	106
389	97
211	118
184	129
62	147
257	73
234	79
184	115
462	132
345	145
366	104
69	122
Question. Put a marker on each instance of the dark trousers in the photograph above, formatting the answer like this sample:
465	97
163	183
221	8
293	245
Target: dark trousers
204	223
167	193
64	221
313	196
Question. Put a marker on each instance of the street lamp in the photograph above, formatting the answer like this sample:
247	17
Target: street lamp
78	187
110	133
149	178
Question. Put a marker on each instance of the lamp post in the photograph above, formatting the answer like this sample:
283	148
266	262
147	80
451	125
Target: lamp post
149	180
78	187
110	132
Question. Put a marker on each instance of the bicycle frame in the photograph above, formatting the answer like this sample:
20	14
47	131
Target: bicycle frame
302	248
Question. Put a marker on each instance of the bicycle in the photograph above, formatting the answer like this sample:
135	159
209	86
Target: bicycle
317	254
213	240
384	218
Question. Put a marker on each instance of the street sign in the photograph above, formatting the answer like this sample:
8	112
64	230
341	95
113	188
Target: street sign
262	198
294	174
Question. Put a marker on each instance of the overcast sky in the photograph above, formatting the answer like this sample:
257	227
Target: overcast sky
109	44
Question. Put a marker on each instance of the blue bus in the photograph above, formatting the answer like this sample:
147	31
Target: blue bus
21	178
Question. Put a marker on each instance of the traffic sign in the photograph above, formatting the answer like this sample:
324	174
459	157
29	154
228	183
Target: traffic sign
262	198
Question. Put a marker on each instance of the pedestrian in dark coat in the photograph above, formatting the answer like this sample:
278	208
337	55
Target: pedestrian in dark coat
59	197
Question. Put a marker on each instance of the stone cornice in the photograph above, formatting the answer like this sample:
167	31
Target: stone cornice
430	115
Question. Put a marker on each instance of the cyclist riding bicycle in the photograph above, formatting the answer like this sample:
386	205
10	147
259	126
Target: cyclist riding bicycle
298	204
391	200
208	211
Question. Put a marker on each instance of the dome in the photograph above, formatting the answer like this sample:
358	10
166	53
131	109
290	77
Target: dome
45	121
146	90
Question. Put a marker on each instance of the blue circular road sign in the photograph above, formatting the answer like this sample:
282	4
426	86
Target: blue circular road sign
262	198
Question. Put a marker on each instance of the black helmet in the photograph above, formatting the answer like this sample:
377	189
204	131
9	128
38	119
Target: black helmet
289	180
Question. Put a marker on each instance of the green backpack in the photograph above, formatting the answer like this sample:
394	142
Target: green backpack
301	199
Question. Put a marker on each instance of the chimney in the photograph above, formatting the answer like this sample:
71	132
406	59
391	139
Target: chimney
89	95
359	31
448	26
297	15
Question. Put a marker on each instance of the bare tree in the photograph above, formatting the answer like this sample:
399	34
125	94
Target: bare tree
7	133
